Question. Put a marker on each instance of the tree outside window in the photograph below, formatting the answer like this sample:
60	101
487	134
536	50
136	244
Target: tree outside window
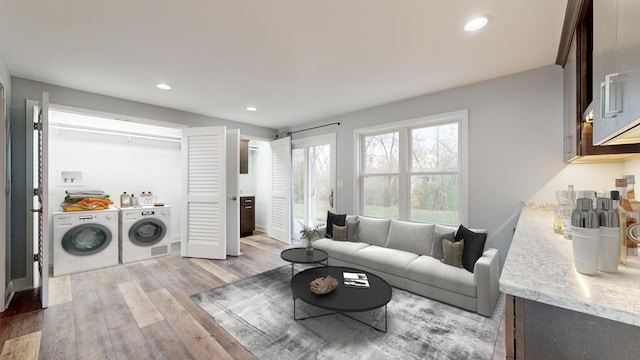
426	186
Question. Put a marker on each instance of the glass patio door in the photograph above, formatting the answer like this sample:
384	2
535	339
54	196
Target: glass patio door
313	172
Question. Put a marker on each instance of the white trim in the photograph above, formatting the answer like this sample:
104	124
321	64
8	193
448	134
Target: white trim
431	119
464	167
22	284
9	292
3	196
313	140
404	126
114	116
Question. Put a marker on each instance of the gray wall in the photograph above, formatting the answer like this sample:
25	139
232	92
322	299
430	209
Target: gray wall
515	143
23	89
5	79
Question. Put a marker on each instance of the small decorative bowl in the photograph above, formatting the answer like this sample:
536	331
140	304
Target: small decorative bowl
323	285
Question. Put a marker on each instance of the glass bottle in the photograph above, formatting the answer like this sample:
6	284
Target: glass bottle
558	221
622	218
567	211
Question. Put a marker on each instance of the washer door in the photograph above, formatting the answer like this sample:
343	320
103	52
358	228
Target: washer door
86	239
147	232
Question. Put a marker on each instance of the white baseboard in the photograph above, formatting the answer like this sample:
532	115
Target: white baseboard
21	284
9	292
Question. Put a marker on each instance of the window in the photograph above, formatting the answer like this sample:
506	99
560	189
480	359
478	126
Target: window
415	170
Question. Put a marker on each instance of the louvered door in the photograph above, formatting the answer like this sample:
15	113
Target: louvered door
42	127
204	192
281	190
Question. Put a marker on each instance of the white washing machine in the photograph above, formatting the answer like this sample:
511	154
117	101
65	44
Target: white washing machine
144	233
84	240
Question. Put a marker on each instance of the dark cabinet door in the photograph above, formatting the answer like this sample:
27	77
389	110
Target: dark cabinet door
244	156
247	215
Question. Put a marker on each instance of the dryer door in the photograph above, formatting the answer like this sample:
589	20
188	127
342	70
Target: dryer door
86	239
147	232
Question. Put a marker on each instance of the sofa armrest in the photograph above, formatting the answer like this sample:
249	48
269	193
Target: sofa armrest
486	276
323	233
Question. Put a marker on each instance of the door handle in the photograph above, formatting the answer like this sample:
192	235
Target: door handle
233	198
36	210
331	199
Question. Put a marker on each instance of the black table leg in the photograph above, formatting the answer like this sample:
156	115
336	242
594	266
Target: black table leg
350	317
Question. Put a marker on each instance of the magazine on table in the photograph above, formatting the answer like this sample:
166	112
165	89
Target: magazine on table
355	279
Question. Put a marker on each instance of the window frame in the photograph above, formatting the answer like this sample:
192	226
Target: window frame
404	129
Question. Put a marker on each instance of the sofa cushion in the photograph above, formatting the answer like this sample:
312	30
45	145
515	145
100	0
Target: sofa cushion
341	250
416	238
473	246
337	219
430	271
452	252
374	231
443	229
391	261
353	229
436	248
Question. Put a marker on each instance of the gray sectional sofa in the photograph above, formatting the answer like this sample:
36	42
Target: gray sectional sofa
402	253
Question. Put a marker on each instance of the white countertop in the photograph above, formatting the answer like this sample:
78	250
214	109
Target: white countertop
539	267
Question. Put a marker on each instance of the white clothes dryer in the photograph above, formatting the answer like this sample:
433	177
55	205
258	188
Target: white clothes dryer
84	240
144	233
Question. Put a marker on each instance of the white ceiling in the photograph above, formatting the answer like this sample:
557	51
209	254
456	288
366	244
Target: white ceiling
295	60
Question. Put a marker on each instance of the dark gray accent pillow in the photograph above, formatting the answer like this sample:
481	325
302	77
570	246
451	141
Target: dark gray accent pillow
453	252
353	230
473	246
436	248
334	219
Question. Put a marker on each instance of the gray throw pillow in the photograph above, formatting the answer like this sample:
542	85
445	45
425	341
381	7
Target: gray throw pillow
436	249
353	230
452	252
339	232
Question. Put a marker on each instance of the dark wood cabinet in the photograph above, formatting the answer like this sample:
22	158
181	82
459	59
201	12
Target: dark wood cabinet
244	156
616	35
247	215
581	63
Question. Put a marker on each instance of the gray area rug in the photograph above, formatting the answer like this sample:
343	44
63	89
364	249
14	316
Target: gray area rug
258	312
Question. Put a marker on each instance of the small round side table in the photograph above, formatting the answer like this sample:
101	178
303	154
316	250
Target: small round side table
299	255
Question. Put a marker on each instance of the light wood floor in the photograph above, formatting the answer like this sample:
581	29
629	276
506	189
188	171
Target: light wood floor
136	311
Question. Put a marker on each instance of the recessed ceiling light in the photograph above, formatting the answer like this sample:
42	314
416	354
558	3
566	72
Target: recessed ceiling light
251	108
163	86
476	24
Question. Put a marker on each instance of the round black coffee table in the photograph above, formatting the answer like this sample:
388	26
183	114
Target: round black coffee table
299	256
343	299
